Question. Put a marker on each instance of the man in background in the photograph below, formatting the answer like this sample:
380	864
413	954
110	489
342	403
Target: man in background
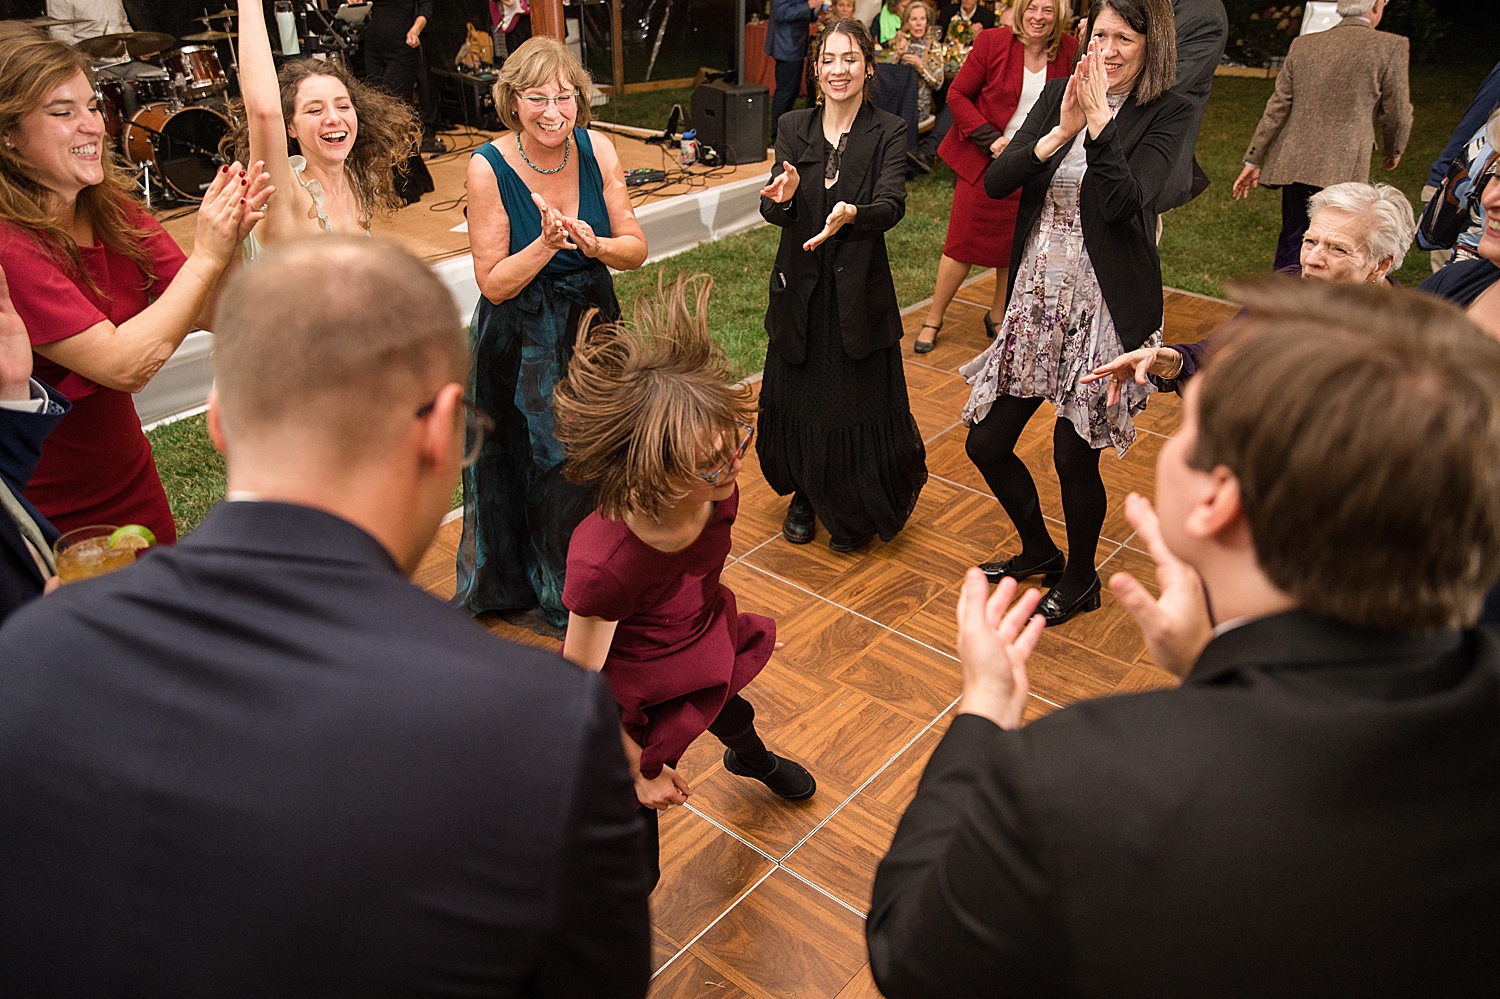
1202	29
786	43
96	17
263	763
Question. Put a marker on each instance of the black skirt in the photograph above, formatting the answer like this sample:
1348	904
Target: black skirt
838	430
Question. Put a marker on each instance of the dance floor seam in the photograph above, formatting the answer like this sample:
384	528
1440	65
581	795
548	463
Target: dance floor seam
762	898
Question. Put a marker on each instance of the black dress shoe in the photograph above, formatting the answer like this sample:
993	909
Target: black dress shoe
799	525
1018	567
989	326
848	544
1056	612
925	346
785	779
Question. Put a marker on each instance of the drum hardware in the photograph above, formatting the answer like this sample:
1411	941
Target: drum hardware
179	143
196	71
136	44
51	22
224	15
210	36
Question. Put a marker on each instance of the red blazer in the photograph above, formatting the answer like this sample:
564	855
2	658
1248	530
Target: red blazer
988	89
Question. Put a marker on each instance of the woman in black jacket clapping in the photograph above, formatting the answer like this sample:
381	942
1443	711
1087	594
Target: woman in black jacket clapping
836	428
1090	162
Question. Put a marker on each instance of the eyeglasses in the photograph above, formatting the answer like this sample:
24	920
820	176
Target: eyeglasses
540	103
1476	191
712	478
477	426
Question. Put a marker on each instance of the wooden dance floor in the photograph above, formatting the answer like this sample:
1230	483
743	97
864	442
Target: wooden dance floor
763	898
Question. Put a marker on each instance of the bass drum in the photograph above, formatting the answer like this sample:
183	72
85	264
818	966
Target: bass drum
182	143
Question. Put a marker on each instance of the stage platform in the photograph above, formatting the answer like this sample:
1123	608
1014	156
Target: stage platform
766	899
697	205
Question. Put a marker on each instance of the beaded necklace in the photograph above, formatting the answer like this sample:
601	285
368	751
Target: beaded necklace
567	150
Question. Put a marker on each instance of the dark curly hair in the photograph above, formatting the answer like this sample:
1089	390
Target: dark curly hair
388	137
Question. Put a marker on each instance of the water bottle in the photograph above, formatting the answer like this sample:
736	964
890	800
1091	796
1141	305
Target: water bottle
690	147
286	24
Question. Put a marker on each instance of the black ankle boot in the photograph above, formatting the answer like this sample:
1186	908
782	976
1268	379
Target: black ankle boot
799	525
785	779
1057	608
1019	567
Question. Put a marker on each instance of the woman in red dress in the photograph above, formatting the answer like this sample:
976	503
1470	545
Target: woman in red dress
106	294
648	419
999	82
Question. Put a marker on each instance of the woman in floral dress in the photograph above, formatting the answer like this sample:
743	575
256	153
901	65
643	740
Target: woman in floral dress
1090	162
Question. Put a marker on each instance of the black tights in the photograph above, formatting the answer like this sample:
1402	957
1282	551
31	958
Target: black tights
735	728
992	449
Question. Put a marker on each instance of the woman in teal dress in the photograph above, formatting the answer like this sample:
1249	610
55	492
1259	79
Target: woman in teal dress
549	215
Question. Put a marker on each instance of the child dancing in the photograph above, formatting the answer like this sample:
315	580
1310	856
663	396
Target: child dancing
649	420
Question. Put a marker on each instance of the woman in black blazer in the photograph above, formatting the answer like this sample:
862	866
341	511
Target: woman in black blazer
1085	285
836	428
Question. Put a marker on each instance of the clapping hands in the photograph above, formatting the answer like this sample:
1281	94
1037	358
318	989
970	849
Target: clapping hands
783	186
843	213
563	232
995	639
1176	625
1090	86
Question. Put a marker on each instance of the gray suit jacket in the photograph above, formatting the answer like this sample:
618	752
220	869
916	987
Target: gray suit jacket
1202	27
1319	125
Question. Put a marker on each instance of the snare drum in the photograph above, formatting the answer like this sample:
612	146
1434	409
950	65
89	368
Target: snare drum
195	71
180	142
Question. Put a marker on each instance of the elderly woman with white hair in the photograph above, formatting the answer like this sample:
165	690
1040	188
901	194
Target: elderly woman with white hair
1356	234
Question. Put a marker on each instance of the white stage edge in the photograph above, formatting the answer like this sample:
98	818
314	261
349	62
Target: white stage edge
671	226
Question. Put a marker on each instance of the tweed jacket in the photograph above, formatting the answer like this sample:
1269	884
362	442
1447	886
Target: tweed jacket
1319	125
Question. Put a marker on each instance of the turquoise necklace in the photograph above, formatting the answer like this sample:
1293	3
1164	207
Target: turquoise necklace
567	150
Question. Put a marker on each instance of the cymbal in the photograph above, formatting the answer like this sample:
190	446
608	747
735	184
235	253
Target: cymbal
210	36
48	22
221	15
136	43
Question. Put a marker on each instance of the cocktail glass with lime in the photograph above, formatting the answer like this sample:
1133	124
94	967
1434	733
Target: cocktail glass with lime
98	549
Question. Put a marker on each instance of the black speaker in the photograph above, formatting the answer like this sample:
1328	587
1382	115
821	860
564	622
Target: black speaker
733	118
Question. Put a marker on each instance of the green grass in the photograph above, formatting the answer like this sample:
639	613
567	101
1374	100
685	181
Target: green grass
1205	246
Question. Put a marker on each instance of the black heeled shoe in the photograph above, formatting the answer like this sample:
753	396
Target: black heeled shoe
989	326
799	525
1056	612
785	779
925	346
1051	567
846	545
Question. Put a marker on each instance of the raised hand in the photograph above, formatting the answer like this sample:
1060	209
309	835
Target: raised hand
784	186
842	214
995	639
1093	92
1176	625
1071	119
1248	178
554	235
15	348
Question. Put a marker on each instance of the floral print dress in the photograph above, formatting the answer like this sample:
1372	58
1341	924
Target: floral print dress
1058	328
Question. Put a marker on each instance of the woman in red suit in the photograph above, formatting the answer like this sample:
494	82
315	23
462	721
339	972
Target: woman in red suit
989	98
105	292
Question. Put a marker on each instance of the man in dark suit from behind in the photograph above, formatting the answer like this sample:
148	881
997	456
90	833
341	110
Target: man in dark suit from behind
29	411
1202	29
1316	810
262	762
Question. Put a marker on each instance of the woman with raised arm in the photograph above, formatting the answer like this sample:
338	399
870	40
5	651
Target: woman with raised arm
549	215
836	429
1090	161
331	144
105	293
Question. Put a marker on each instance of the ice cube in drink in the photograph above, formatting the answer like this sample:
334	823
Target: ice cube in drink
86	552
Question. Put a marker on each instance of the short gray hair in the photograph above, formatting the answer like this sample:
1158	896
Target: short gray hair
1389	214
1354	8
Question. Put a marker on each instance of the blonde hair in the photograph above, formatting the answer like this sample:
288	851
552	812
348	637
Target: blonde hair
1062	23
643	402
931	17
31	67
541	60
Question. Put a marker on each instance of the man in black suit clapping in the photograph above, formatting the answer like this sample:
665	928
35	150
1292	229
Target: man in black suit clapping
262	762
1316	810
